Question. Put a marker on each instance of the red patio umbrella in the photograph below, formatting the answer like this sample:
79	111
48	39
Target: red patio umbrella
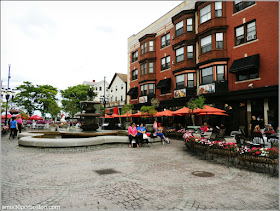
207	109
35	117
115	115
8	116
181	111
164	113
140	114
213	113
126	115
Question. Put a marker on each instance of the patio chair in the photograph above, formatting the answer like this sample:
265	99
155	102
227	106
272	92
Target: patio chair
272	139
221	133
257	140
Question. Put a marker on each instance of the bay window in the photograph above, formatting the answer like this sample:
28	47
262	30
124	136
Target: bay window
180	54
151	67
220	72
190	52
179	28
219	41
205	13
151	45
190	80
151	88
144	90
206	44
207	75
180	81
218	9
189	24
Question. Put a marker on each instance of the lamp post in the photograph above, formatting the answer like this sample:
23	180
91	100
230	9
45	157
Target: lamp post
104	100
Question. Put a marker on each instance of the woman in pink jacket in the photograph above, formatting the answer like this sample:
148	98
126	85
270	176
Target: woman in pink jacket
132	133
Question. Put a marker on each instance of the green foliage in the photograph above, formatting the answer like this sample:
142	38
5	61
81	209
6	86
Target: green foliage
26	97
72	97
150	110
196	103
127	108
54	109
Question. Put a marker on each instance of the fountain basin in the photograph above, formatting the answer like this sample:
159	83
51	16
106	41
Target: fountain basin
32	139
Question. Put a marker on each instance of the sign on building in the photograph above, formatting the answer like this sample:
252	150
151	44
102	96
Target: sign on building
143	99
206	89
179	93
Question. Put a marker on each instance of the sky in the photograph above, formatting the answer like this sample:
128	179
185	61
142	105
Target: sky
67	42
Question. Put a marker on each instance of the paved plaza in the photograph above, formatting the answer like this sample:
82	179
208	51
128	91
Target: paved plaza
115	177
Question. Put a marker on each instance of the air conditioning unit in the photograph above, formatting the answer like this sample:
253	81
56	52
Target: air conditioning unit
172	37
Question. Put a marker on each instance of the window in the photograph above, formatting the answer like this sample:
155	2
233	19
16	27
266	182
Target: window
240	5
189	25
143	69
180	81
134	56
142	49
165	40
135	74
116	99
205	14
165	63
121	98
190	80
190	52
218	9
219	41
180	54
206	44
250	33
179	28
247	75
145	47
151	67
122	86
207	75
151	88
116	88
151	45
220	72
100	88
144	90
111	90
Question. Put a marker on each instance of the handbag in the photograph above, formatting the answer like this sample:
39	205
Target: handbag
145	136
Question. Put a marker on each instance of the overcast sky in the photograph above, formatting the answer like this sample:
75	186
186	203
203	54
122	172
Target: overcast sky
65	43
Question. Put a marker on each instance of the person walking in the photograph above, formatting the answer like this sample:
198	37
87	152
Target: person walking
20	123
13	127
155	127
132	133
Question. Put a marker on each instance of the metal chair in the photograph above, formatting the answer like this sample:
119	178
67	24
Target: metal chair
258	139
273	138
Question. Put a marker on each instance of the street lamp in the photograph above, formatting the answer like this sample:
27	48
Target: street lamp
8	94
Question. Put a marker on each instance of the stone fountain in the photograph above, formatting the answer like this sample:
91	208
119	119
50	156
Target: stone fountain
92	113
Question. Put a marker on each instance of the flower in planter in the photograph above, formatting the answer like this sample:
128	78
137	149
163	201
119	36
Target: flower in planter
29	122
273	153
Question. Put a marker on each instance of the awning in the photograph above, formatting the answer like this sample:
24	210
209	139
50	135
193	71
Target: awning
247	63
164	83
133	91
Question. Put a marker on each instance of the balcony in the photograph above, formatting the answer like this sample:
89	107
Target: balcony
214	54
147	55
212	23
148	76
185	64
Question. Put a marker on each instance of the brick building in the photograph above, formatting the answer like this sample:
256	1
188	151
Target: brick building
226	51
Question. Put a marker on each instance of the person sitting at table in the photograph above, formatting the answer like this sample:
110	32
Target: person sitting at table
204	128
179	127
269	129
257	129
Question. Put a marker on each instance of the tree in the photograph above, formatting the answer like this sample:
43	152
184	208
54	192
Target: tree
194	104
54	109
26	97
72	97
149	110
127	108
46	95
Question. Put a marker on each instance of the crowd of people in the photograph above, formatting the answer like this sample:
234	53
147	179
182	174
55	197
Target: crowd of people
257	126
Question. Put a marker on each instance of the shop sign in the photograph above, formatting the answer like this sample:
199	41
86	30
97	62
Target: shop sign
143	99
179	93
206	89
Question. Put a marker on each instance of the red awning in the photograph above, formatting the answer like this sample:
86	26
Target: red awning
181	111
207	109
164	113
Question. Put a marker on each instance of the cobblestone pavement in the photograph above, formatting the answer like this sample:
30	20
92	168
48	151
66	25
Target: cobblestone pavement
155	178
